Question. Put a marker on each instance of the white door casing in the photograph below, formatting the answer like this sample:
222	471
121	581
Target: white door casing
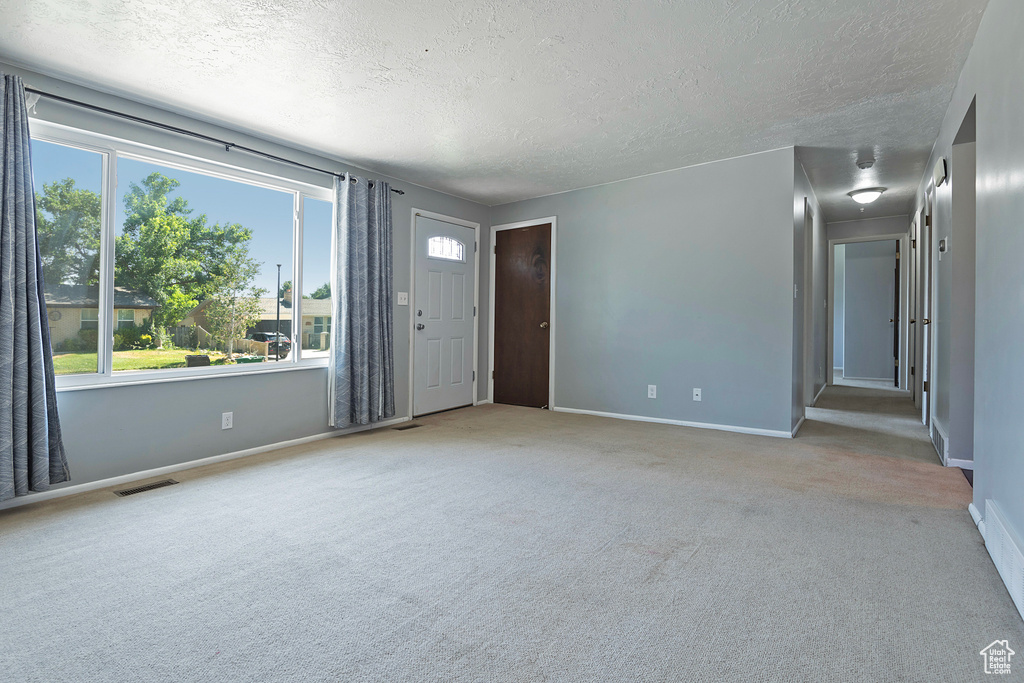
443	316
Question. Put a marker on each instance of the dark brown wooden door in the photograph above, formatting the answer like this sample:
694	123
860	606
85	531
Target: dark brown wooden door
522	305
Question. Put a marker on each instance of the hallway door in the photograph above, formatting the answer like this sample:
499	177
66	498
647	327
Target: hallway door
925	318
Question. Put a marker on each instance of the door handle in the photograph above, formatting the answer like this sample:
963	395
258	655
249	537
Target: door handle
544	326
891	320
420	326
925	321
912	322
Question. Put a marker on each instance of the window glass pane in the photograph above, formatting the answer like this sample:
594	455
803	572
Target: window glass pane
125	318
446	248
68	186
196	266
316	277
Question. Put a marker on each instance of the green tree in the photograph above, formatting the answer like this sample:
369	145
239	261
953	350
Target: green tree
177	259
322	292
68	225
234	306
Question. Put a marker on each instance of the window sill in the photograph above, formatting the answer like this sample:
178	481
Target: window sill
144	377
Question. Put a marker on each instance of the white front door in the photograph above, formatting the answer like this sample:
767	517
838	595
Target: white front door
443	316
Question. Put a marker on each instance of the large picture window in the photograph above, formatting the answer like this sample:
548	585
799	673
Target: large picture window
186	259
68	183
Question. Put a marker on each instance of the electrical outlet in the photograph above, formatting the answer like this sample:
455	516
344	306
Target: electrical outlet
227	420
652	391
696	394
403	298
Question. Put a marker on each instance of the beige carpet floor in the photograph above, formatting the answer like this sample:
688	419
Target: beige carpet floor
507	544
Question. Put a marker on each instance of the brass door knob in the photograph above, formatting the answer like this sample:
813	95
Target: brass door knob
544	326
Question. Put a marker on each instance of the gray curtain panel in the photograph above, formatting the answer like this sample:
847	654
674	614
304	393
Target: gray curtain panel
31	449
362	361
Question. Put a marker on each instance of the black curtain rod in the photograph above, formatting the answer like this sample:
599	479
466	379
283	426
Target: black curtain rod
228	146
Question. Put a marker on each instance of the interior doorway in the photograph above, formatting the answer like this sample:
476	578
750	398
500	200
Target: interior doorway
867	328
443	313
522	322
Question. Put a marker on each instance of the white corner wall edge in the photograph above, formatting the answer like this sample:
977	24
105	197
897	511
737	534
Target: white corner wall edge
678	423
160	471
978	521
818	395
1006	550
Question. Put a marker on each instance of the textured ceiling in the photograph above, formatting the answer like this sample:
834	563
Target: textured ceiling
500	101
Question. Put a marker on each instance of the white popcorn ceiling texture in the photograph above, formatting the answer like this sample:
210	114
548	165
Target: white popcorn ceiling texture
501	101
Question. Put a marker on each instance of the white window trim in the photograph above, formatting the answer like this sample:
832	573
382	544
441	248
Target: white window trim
110	148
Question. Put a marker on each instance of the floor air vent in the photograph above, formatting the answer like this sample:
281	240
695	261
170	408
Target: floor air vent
940	444
145	487
402	428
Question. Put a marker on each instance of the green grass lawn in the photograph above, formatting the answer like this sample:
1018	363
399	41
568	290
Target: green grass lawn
148	359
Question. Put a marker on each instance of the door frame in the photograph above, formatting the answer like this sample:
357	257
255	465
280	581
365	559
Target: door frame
903	238
553	328
414	212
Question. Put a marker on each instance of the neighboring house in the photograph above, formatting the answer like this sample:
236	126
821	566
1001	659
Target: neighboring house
72	308
316	319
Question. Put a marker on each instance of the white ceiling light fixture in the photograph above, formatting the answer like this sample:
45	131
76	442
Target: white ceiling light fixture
867	195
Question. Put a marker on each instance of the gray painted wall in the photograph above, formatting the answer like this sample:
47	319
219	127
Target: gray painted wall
677	279
961	321
870	295
869	227
991	73
839	315
121	430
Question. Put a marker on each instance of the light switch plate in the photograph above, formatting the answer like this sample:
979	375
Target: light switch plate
403	298
696	394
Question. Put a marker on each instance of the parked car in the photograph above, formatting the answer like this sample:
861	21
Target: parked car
275	343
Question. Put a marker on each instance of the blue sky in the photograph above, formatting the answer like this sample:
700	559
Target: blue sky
268	213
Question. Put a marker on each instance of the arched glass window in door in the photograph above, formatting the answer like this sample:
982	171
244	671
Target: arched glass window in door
446	248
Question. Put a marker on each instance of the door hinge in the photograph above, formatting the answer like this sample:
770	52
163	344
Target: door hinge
928	220
474	247
474	311
924	386
913	370
897	362
492	374
897	256
474	375
495	248
913	244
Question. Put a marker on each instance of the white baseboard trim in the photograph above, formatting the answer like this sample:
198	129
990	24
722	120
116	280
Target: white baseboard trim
962	464
483	401
1007	552
796	429
869	379
679	423
820	392
160	471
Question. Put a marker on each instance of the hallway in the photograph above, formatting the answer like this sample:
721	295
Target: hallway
872	421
